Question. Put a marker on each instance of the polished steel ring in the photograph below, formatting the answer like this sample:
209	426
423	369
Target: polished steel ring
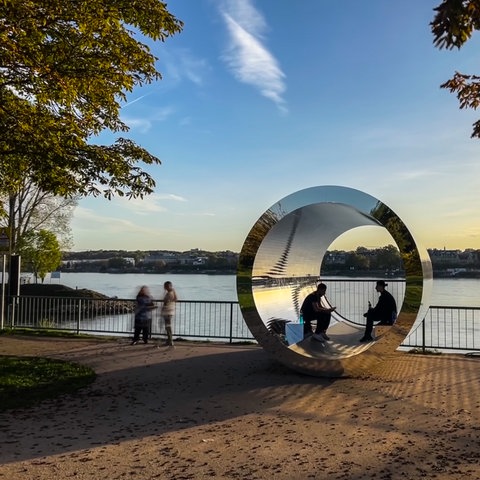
281	260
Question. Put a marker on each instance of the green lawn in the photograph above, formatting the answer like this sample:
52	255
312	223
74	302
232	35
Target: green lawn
25	381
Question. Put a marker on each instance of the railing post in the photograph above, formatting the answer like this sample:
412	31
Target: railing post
231	322
78	316
423	336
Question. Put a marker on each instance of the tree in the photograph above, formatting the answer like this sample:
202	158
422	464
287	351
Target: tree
357	261
40	251
29	209
65	68
118	263
388	258
452	26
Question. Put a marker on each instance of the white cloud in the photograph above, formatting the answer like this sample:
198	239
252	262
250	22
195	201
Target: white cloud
200	214
247	57
180	64
148	205
169	196
90	220
413	174
193	68
162	114
144	124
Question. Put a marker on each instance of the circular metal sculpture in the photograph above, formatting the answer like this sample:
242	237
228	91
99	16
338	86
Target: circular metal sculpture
280	262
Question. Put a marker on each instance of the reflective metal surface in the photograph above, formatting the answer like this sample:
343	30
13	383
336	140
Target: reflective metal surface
280	263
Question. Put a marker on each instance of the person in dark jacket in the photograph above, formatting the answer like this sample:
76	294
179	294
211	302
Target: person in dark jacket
384	312
143	315
311	310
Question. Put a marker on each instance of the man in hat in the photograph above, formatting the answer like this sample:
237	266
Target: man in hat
384	312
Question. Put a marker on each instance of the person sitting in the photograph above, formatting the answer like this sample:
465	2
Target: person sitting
384	312
311	310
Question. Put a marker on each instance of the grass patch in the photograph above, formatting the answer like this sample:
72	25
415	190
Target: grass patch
26	381
43	332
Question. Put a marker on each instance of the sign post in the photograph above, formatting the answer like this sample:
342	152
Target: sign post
4	245
2	306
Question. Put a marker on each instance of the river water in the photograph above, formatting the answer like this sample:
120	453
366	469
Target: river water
445	292
453	292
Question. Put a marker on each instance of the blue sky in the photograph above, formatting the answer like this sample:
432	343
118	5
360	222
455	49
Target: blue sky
262	98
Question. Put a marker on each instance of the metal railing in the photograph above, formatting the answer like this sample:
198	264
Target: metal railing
351	296
205	320
446	328
443	327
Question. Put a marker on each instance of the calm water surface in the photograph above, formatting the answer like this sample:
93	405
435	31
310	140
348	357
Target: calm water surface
446	292
127	285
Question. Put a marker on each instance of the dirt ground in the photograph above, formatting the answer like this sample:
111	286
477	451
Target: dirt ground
230	412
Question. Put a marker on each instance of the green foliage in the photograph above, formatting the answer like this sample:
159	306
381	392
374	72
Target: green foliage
51	332
455	22
66	66
41	252
453	25
413	297
117	262
25	381
402	236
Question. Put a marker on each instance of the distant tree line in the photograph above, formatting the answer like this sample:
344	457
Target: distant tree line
385	259
124	261
362	260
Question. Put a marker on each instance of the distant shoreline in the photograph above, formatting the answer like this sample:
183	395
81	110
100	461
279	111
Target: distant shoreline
146	272
475	274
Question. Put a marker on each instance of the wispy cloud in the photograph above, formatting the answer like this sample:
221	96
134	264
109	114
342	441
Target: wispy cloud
196	214
247	56
415	174
170	196
193	68
144	124
91	220
153	203
181	64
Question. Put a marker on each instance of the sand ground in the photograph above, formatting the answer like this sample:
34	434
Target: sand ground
230	412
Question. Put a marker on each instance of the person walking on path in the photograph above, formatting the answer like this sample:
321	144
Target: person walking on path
385	311
312	309
143	315
168	310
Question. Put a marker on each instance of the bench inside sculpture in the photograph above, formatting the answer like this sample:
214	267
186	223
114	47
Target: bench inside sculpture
281	260
343	334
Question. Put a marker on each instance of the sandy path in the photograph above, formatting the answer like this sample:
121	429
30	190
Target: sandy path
229	412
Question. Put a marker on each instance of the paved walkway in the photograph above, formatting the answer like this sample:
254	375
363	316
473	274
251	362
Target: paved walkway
229	412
